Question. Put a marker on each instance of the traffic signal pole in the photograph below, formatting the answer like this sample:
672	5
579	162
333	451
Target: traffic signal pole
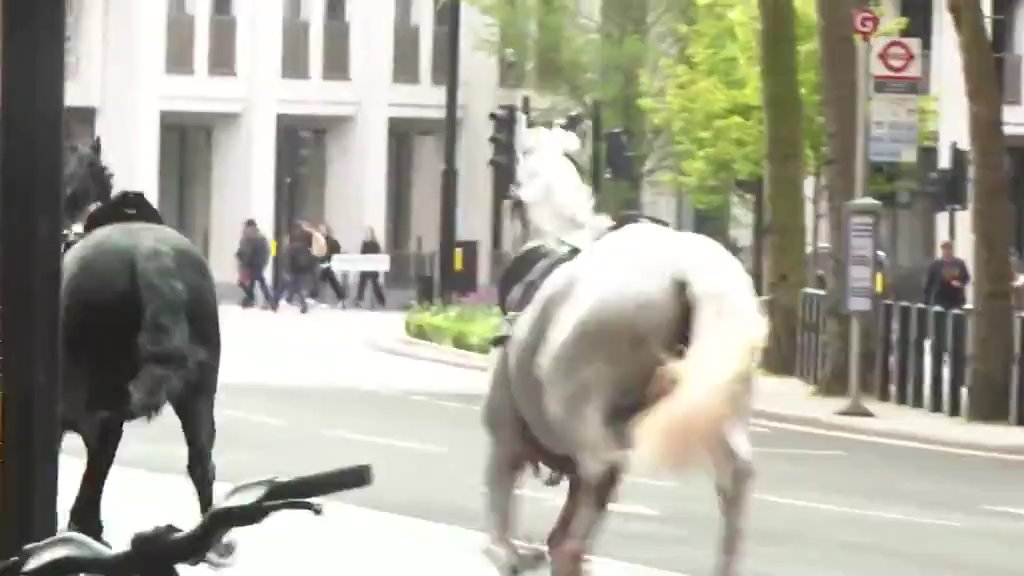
32	101
449	175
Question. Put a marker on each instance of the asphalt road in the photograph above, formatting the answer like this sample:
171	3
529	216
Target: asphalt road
824	505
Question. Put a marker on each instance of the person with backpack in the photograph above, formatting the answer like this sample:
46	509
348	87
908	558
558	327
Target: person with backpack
300	265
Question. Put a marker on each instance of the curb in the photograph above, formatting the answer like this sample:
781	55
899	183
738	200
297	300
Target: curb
428	351
408	347
775	416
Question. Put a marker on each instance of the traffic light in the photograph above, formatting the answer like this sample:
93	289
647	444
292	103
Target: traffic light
503	157
956	182
618	156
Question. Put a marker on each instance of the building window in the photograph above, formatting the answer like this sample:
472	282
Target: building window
181	7
222	8
296	10
337	11
405	13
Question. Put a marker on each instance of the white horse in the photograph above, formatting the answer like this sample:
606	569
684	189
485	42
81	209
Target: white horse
588	381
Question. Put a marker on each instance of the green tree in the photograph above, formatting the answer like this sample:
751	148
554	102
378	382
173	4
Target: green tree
578	57
992	335
708	98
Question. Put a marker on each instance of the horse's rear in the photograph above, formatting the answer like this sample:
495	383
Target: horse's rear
141	330
588	374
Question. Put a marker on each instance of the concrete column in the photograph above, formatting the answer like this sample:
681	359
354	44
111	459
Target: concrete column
128	120
342	196
425	187
201	45
372	51
316	38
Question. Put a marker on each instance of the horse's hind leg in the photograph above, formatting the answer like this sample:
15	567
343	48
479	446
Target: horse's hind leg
734	471
101	447
195	411
591	502
561	528
505	463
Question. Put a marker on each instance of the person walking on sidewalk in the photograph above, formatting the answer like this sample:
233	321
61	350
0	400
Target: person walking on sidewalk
326	273
947	280
300	265
370	246
252	255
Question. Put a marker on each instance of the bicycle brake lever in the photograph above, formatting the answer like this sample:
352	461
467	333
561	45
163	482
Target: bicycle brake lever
277	505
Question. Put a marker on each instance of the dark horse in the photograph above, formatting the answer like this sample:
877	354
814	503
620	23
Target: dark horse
139	330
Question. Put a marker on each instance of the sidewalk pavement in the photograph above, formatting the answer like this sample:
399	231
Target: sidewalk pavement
346	539
789	401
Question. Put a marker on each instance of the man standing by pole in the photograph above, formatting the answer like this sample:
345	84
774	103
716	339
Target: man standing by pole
30	248
449	175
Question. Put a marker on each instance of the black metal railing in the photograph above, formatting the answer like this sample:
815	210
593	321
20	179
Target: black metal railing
923	354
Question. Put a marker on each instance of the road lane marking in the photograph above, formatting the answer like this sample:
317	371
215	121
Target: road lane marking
807	451
854	511
618	507
447	403
1018	511
761	429
252	417
385	441
889	441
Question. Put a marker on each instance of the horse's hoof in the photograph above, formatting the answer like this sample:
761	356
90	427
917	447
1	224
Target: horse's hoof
223	553
514	561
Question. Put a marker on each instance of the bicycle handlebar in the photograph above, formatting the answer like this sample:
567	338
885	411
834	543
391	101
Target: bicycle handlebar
70	553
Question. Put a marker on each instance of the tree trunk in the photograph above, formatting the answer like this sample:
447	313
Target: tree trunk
991	212
839	104
783	178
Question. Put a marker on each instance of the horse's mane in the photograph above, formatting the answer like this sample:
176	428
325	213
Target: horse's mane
86	179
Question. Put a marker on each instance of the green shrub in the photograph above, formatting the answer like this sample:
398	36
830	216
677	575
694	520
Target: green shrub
465	327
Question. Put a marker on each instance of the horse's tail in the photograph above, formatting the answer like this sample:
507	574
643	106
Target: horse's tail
702	391
164	349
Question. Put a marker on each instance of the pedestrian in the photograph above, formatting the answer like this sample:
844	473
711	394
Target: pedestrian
370	245
253	255
327	275
300	266
947	280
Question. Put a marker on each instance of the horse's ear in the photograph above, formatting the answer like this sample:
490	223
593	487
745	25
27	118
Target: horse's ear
96	146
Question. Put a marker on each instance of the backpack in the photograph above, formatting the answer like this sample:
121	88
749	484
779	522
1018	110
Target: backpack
319	247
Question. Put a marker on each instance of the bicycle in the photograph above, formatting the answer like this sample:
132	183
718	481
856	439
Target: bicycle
158	552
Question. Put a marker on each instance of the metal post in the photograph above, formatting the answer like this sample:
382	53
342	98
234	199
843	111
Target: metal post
951	219
856	406
30	248
596	138
758	239
449	175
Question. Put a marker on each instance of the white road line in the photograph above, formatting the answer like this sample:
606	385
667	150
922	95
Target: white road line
443	402
854	511
889	441
251	417
554	500
385	441
1018	511
761	429
807	451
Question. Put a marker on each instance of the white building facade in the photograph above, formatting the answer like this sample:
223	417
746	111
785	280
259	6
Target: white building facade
325	110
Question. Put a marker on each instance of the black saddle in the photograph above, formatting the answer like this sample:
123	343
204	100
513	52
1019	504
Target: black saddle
528	269
126	206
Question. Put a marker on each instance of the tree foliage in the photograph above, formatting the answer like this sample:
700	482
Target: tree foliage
709	97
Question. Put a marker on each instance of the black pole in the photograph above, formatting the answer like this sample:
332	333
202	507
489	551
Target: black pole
758	264
30	244
951	216
596	142
449	175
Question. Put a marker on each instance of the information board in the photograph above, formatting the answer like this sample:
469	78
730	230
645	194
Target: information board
860	263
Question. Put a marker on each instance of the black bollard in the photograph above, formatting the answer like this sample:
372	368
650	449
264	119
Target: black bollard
937	334
1017	372
919	332
883	360
957	351
904	316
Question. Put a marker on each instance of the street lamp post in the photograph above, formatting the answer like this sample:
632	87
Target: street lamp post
32	97
449	175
